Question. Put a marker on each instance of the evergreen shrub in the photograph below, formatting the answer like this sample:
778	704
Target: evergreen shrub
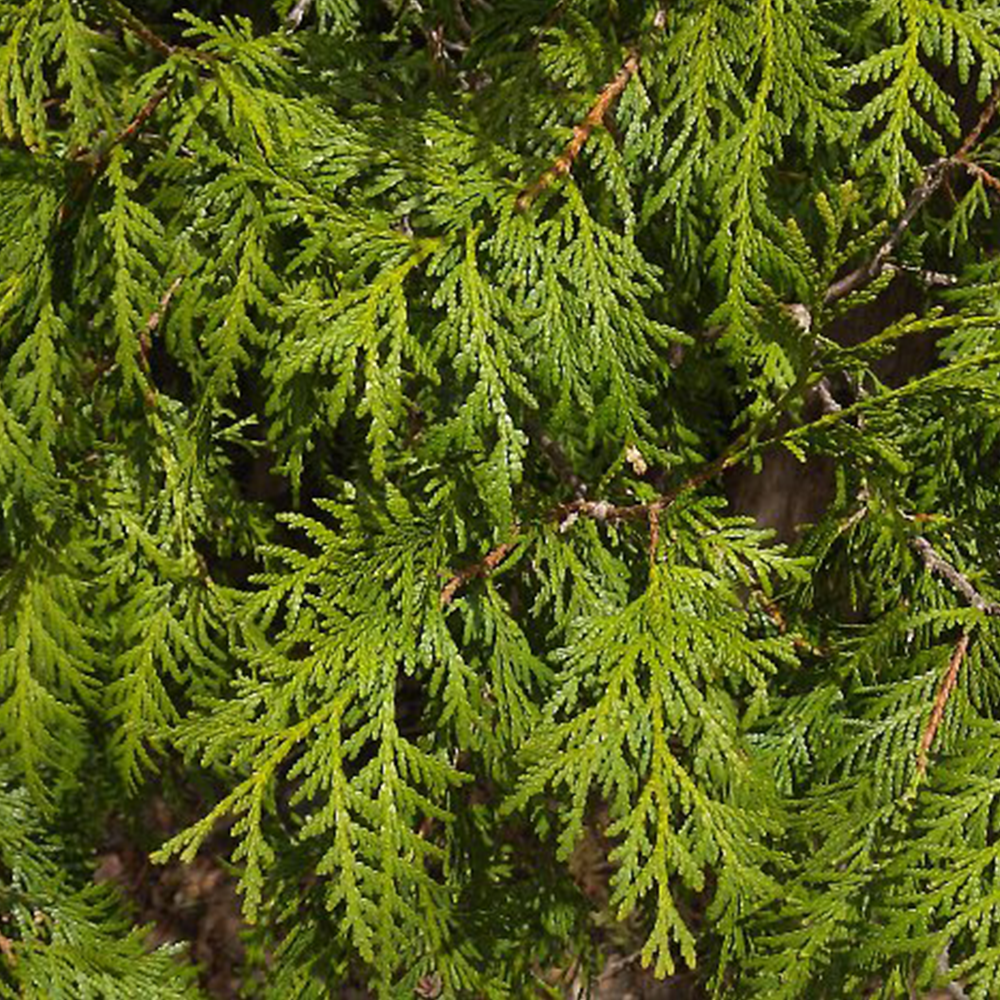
372	377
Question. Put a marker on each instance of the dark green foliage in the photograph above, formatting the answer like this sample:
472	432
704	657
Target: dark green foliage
368	371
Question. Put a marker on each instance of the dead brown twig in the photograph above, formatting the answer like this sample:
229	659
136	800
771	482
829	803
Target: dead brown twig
948	683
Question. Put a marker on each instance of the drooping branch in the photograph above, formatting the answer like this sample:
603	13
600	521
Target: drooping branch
948	683
939	566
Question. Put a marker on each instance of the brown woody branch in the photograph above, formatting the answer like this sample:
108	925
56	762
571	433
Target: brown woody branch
581	133
939	566
948	683
933	177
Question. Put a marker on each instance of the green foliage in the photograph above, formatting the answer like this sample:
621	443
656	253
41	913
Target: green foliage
65	941
371	375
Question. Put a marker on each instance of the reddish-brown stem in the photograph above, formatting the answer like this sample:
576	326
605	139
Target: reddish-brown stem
948	683
581	133
484	567
128	20
981	173
143	116
985	117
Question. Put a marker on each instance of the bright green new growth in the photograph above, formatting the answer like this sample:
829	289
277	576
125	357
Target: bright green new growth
368	375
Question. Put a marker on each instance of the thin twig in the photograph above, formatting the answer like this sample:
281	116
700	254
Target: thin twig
142	31
985	117
602	511
581	133
960	583
871	269
932	179
940	702
981	173
927	277
96	158
157	314
484	567
145	344
143	115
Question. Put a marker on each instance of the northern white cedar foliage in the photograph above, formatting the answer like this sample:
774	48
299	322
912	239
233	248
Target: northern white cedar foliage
368	370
